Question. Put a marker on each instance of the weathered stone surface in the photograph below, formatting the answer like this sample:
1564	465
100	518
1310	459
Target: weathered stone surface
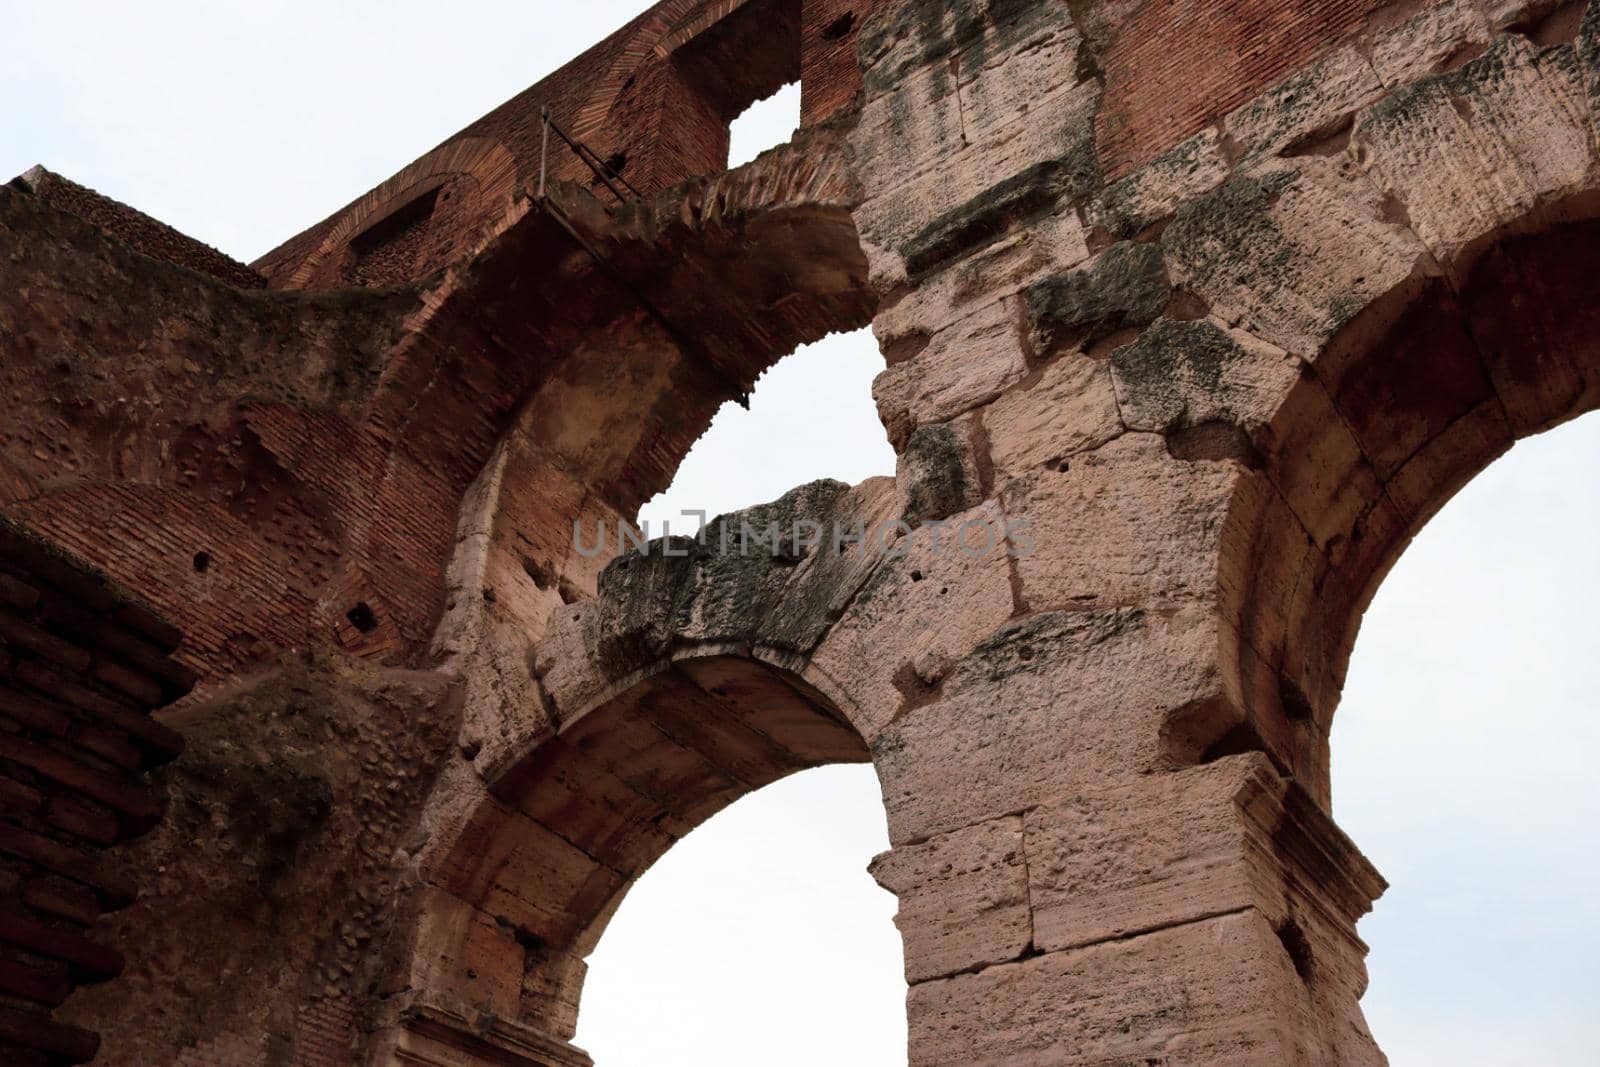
1125	524
1587	48
1051	702
1003	269
980	220
1152	193
955	155
1308	112
963	898
1149	854
1125	286
1431	39
1158	441
1287	254
1186	374
1469	151
963	367
1218	991
917	615
939	472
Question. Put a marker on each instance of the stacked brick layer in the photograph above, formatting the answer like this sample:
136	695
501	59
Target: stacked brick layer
81	668
138	230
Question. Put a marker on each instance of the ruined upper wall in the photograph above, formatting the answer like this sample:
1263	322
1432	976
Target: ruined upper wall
137	230
1174	67
1175	380
653	101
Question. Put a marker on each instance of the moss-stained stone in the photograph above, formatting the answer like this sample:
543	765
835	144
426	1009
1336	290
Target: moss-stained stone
1154	191
1290	254
1236	213
720	586
825	582
1186	374
991	214
938	473
1125	286
776	575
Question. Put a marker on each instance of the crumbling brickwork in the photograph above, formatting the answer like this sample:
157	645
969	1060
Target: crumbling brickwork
1192	314
82	663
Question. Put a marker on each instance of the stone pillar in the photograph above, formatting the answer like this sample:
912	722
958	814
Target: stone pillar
1101	850
1201	917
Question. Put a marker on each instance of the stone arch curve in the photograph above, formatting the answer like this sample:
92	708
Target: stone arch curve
555	842
700	670
762	260
1446	317
683	685
480	170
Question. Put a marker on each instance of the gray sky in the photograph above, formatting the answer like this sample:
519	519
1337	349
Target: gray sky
1463	754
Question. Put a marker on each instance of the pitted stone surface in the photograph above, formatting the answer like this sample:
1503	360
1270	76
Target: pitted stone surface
1192	314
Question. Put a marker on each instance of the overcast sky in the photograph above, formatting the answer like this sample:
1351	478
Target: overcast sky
1464	754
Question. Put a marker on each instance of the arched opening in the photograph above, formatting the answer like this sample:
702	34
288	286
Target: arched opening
590	784
541	866
1420	392
768	911
1462	764
1414	398
760	931
811	416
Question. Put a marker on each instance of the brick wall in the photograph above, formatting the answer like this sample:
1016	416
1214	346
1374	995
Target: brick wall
82	664
138	230
654	99
209	447
1176	66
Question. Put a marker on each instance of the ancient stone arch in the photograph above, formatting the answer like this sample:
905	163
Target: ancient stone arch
1192	314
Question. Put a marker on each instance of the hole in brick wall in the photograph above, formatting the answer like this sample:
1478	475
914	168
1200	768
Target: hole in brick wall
397	224
362	617
1296	705
202	562
764	124
382	254
840	27
1298	946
